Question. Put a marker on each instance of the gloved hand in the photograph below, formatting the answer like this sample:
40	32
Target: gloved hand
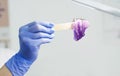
31	36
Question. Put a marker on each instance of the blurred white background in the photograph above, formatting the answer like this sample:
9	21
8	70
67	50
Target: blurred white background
97	54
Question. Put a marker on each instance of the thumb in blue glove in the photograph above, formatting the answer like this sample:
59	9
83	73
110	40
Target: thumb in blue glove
31	36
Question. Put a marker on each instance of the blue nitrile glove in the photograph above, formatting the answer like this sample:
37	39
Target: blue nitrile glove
31	36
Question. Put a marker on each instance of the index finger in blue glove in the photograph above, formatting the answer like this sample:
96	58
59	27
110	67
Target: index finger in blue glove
46	24
40	27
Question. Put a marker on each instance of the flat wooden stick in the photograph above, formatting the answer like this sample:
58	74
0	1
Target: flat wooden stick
63	26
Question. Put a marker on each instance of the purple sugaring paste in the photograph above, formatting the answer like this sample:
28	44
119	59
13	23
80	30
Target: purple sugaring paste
79	27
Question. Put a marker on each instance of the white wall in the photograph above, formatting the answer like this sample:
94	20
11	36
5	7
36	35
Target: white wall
91	56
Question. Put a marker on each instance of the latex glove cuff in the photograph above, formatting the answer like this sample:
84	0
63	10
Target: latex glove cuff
17	65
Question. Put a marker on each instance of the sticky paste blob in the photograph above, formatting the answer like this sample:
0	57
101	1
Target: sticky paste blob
79	27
